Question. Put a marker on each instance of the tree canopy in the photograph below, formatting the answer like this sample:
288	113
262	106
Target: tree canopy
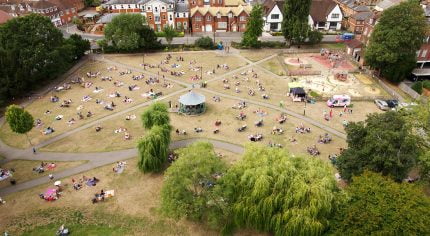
129	32
395	40
189	182
383	143
169	33
32	51
19	120
295	26
153	148
379	206
254	27
156	114
273	191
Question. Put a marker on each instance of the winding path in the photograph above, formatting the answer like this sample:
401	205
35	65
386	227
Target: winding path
104	158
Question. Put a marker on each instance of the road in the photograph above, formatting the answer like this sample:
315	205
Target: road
226	37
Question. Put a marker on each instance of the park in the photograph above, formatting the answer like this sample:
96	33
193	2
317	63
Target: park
91	120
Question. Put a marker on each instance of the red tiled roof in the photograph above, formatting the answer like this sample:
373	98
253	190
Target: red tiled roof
4	17
320	9
353	43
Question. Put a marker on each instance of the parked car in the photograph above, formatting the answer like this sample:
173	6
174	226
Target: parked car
339	101
381	104
392	103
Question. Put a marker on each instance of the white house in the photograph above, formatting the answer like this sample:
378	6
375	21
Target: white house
325	15
273	15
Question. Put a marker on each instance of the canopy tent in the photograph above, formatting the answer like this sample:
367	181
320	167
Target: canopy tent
192	103
298	92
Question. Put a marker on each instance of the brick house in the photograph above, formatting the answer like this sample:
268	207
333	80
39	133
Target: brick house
68	10
4	16
219	19
357	21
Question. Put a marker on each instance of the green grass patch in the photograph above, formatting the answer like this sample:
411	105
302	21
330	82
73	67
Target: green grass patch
314	94
333	45
88	230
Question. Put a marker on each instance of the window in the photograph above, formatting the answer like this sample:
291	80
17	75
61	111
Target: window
242	26
335	15
208	18
157	18
274	16
222	25
149	8
177	14
164	17
162	8
242	18
150	17
156	9
170	17
197	26
424	53
129	7
122	6
198	18
321	24
185	24
178	25
273	26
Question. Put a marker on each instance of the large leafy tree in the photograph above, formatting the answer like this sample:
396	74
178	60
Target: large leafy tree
19	120
156	114
188	189
383	143
153	149
395	40
379	206
169	33
273	191
295	26
32	51
129	32
254	27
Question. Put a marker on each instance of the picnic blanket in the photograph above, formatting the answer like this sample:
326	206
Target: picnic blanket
91	183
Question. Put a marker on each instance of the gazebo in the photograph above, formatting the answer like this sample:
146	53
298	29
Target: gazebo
192	103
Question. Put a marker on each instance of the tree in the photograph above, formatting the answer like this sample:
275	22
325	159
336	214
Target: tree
189	182
395	40
80	46
156	114
92	3
153	149
169	33
273	191
32	51
19	120
295	26
129	32
254	27
380	206
383	143
315	37
205	42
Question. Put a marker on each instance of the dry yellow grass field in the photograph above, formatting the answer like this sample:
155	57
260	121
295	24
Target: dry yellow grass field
107	140
76	93
24	170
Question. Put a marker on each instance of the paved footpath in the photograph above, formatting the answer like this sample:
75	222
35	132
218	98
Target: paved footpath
99	159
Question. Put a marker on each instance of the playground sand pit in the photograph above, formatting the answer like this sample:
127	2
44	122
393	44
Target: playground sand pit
365	79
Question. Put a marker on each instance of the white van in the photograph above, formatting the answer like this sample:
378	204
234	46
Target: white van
339	101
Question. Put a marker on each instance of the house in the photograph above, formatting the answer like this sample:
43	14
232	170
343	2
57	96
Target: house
68	10
272	10
354	49
219	19
356	22
158	13
369	26
325	15
4	16
182	13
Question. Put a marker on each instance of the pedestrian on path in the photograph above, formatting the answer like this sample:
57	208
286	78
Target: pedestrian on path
281	104
331	113
34	150
51	176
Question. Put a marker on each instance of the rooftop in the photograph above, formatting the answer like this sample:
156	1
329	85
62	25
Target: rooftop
320	9
192	99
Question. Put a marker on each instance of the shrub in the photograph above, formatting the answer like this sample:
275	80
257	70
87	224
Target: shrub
426	84
205	42
315	37
276	33
418	87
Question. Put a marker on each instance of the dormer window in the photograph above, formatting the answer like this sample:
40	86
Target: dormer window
230	15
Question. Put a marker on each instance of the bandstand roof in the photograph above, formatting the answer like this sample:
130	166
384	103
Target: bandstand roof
192	98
